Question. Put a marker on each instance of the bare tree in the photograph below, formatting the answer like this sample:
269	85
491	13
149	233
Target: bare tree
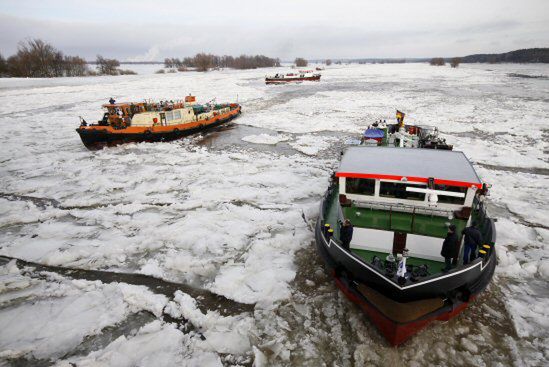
188	62
128	72
455	62
75	66
203	62
328	62
36	58
437	61
177	63
107	66
3	66
300	62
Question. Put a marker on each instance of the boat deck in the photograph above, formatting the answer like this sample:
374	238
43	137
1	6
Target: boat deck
420	224
367	256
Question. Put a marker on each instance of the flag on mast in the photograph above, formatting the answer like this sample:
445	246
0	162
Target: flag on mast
400	116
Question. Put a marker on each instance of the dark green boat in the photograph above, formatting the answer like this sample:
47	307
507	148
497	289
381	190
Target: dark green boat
401	203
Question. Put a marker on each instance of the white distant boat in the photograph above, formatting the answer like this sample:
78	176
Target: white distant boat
301	76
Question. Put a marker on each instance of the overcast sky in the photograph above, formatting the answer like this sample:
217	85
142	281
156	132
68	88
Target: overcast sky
154	29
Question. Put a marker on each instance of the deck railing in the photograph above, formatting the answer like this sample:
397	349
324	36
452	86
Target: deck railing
403	208
326	201
487	227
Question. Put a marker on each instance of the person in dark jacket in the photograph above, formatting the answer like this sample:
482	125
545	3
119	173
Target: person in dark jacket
346	234
472	241
449	247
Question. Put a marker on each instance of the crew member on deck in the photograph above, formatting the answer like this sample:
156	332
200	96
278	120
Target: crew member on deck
472	241
449	247
112	101
346	234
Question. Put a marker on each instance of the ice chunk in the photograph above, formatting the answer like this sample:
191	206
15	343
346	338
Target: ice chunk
266	139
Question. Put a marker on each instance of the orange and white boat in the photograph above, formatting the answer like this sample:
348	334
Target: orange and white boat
154	121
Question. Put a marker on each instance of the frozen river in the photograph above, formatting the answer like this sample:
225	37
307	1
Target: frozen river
229	215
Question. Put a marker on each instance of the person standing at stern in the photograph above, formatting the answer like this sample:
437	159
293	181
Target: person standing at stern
449	247
346	234
472	241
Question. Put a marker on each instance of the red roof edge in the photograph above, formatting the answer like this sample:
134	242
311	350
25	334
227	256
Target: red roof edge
408	178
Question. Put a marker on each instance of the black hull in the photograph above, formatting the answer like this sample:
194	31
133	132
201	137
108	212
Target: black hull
459	283
291	80
97	139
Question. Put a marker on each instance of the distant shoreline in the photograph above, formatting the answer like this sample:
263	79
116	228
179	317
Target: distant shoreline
524	56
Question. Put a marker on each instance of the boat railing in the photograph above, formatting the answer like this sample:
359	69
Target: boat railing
403	208
326	201
487	227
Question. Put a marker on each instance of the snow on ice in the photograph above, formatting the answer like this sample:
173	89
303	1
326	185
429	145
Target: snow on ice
237	221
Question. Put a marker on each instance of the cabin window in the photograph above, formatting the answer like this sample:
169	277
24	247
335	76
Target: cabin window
177	114
398	190
169	116
360	186
451	199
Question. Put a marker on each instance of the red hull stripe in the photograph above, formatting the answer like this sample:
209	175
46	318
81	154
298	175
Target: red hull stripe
409	178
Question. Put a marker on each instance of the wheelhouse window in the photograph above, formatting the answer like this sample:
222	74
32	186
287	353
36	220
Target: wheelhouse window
177	115
169	116
360	186
451	199
398	190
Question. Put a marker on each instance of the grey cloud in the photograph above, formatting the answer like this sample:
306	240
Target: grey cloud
287	40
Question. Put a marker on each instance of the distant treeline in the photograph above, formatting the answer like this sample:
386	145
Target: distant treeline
439	61
530	55
38	59
204	62
370	61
